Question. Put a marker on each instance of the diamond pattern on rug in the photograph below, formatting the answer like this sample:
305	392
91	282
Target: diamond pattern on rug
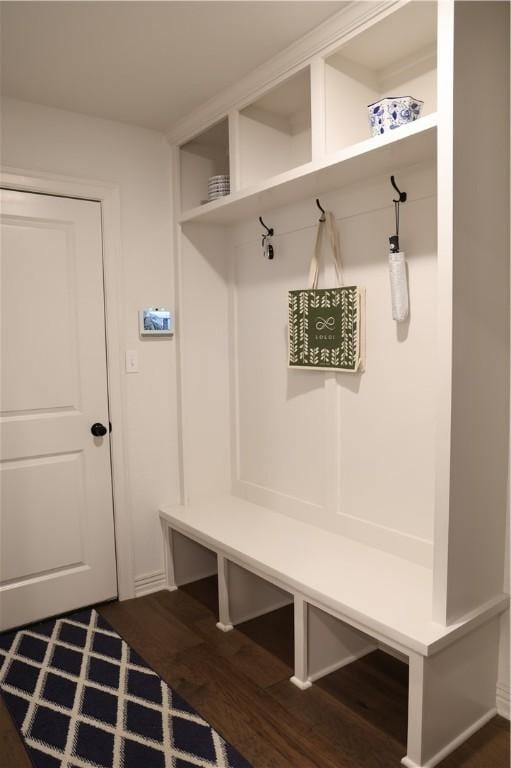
82	698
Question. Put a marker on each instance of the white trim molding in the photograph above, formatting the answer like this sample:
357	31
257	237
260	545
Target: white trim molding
504	700
329	34
108	196
151	582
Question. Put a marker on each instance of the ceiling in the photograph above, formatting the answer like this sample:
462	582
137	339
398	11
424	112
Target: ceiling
146	63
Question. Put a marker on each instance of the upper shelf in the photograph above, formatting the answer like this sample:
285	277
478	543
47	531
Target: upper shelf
275	131
396	56
408	145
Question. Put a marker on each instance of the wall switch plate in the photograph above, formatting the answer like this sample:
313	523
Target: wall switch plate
131	361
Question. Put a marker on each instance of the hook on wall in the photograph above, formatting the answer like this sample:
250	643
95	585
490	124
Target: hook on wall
269	230
402	195
266	243
323	212
394	240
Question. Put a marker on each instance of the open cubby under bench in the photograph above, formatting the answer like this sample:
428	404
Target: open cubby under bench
349	599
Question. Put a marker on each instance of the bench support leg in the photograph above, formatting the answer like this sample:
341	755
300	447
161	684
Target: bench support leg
323	644
168	556
224	617
300	677
451	695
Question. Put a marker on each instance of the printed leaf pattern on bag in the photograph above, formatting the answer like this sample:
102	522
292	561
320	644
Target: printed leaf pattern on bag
293	337
341	354
314	356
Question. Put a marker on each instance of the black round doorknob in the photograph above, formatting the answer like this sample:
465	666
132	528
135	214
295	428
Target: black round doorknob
98	430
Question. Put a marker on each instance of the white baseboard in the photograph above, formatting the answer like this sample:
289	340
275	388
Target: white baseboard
503	700
154	582
150	582
454	744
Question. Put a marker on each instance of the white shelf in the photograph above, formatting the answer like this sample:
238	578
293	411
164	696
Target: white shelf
408	145
396	56
375	589
275	131
207	154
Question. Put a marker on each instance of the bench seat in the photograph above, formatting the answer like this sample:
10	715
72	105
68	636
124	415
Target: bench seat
386	594
349	598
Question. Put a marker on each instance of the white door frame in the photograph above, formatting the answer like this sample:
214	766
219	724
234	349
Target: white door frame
108	196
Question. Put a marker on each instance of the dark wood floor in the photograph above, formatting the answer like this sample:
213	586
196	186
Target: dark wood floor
239	681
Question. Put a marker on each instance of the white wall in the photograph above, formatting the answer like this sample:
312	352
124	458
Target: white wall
38	138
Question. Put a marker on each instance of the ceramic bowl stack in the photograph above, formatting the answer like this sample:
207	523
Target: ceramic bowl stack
218	186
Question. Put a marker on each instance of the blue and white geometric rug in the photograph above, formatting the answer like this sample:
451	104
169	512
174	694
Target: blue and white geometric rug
82	698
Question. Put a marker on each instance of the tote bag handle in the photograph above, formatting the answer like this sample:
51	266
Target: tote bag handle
333	236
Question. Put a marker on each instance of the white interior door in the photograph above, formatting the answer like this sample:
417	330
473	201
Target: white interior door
57	547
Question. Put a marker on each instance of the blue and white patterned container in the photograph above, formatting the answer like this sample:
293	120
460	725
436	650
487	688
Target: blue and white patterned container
392	112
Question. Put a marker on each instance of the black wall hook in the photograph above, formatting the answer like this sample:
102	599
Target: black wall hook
323	213
266	243
269	230
394	239
402	195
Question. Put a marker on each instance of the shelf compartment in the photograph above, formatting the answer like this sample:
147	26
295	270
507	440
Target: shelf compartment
275	131
394	57
250	596
192	561
205	155
411	144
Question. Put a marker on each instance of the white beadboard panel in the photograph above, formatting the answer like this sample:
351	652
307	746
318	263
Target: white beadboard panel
308	441
282	413
387	423
382	537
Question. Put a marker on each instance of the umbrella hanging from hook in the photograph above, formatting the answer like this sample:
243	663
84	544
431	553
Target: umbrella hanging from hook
398	272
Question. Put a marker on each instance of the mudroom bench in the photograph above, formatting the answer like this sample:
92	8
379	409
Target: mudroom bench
349	599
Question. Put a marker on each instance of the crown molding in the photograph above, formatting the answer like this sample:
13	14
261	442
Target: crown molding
338	28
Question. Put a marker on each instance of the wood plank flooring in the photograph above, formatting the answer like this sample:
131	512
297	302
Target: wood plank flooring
239	681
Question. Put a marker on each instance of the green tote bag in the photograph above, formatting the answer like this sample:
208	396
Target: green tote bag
326	325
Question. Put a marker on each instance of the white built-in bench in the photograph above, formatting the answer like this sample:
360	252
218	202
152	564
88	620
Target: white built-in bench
348	600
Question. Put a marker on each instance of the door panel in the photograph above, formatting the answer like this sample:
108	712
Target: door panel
27	509
57	537
40	332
